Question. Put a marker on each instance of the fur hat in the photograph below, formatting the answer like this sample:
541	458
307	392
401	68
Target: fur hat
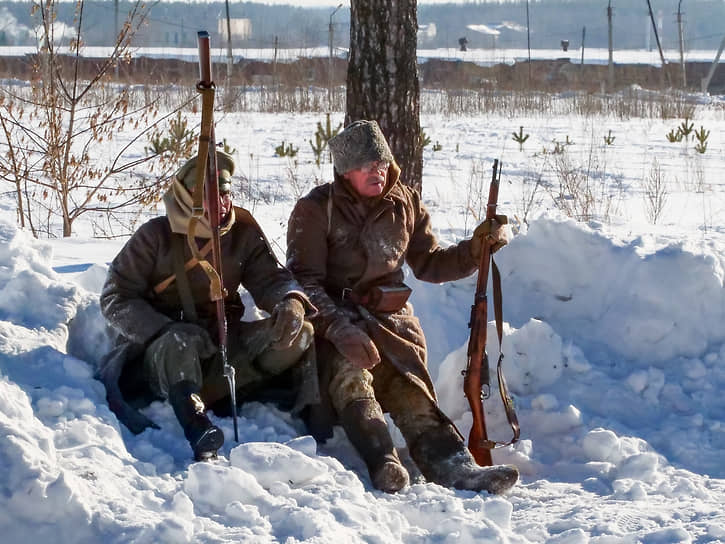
361	142
225	168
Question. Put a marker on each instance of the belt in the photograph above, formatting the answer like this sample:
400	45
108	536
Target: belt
379	298
346	294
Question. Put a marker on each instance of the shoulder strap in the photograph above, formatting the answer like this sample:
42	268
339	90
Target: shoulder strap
191	263
182	281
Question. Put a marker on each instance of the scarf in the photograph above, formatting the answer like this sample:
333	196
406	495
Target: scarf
178	203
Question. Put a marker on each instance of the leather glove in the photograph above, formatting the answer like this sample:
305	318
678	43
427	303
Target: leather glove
193	336
492	232
352	343
288	316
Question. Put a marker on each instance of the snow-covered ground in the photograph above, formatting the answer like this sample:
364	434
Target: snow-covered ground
494	55
614	353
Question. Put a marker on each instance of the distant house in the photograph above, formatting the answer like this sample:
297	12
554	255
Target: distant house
241	29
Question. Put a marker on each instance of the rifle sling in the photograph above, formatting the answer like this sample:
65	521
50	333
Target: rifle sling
216	290
182	281
503	388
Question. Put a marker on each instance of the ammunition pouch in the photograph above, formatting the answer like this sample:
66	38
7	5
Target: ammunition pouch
379	298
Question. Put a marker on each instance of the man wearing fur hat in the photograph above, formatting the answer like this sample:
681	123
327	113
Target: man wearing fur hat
347	243
157	299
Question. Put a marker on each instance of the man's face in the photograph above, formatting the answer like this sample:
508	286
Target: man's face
369	179
225	205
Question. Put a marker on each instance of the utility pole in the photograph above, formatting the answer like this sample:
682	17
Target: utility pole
610	70
657	39
528	38
330	65
230	58
682	45
584	35
230	62
706	80
274	62
115	29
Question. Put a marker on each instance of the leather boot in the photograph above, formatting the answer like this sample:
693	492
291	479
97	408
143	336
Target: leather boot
204	437
443	458
366	428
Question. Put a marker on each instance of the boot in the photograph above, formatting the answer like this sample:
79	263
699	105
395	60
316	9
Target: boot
442	457
204	437
366	428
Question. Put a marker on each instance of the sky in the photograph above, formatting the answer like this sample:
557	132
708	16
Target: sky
613	341
345	3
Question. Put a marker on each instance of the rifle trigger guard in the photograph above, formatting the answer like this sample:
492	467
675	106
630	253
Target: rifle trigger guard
485	391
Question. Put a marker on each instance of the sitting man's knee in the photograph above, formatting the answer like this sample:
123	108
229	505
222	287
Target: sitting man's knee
273	362
349	385
304	338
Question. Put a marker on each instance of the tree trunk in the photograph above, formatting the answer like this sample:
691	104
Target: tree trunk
382	78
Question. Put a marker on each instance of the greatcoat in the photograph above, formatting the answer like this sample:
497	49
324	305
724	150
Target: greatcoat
137	313
337	240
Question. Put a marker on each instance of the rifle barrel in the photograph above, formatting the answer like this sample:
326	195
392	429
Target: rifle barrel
203	41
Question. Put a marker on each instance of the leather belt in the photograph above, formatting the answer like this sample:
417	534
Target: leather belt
347	294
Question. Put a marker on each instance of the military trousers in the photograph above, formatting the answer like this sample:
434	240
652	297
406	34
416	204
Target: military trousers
167	361
410	408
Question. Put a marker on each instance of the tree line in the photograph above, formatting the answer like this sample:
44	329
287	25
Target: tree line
175	23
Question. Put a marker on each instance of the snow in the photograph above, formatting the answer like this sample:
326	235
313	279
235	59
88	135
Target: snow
614	354
496	55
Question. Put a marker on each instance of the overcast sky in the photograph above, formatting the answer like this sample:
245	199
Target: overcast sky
346	3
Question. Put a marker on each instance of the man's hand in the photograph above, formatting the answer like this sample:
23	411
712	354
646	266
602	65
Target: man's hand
491	232
193	336
288	317
353	344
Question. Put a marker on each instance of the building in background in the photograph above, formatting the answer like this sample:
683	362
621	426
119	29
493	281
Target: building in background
241	29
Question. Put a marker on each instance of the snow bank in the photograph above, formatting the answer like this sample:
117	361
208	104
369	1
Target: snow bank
617	391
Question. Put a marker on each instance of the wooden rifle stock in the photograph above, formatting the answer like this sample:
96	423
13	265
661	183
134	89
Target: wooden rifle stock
207	156
477	381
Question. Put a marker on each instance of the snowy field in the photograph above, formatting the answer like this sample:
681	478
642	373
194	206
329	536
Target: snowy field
614	353
493	55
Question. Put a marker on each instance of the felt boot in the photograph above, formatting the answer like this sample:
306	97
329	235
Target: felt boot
367	429
443	458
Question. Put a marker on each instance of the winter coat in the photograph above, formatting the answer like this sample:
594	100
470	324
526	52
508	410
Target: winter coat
137	313
336	241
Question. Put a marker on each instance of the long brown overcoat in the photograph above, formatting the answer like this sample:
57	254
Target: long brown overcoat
336	241
137	313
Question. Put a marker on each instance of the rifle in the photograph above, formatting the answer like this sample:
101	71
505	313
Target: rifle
477	379
206	195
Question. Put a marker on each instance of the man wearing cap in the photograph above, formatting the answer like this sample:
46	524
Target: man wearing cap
157	299
347	242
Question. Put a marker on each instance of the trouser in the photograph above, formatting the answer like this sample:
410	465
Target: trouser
166	362
411	409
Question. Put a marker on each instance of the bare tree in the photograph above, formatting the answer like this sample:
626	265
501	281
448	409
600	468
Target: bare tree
54	130
382	77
